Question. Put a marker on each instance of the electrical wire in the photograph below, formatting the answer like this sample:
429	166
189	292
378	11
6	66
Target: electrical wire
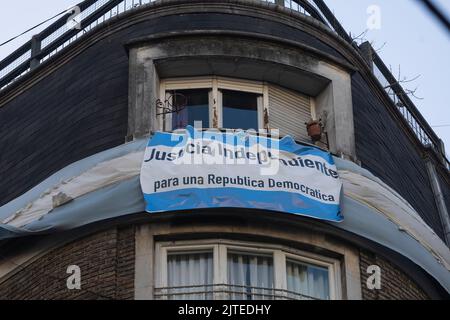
32	28
437	13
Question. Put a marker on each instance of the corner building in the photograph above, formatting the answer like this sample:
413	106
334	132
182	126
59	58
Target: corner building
77	107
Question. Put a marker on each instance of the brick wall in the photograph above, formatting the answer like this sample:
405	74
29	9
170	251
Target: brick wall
395	285
106	260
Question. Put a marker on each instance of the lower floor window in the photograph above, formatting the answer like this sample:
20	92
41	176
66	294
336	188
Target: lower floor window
189	275
250	276
307	280
227	270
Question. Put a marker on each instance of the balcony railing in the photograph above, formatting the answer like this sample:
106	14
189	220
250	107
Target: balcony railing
94	13
226	292
405	106
409	112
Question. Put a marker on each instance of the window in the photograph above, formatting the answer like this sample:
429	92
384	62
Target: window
188	273
307	280
250	276
196	107
223	269
216	102
239	109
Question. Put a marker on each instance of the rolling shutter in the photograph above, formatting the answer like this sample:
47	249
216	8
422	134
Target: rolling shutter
240	85
288	111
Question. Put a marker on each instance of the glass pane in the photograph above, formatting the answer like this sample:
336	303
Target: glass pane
189	275
240	110
307	281
250	276
197	107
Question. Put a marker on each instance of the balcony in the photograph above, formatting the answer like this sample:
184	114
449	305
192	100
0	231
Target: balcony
226	292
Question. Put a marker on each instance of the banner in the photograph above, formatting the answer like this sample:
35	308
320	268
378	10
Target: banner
211	169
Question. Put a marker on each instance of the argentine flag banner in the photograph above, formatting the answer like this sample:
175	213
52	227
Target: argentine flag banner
195	169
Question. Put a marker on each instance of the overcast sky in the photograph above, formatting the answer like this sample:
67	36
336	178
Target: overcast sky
414	40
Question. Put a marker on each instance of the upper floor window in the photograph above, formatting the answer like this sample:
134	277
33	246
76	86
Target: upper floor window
214	103
196	108
229	270
217	102
240	109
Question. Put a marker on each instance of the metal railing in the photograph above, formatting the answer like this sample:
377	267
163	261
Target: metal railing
404	105
93	13
59	35
226	292
414	119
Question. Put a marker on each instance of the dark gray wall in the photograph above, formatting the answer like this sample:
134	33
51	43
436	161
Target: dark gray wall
77	111
385	150
445	188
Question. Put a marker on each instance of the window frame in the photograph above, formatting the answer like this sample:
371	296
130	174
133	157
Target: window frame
215	85
220	248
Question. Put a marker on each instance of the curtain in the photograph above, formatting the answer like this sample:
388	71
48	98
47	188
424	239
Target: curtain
189	275
250	277
307	280
194	105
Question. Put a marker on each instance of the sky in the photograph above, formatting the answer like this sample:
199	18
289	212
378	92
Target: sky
409	36
412	39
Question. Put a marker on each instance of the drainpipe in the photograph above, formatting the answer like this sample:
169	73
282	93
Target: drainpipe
439	198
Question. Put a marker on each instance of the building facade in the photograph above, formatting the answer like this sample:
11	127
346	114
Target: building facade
78	105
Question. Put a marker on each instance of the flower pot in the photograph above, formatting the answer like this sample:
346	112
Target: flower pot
314	129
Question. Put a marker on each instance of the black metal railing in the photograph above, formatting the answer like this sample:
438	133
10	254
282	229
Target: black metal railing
414	119
227	292
93	13
404	105
56	37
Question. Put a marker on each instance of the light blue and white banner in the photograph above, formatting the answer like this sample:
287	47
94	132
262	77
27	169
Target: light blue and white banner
211	169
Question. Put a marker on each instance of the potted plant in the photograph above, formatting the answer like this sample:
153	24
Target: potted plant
315	130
